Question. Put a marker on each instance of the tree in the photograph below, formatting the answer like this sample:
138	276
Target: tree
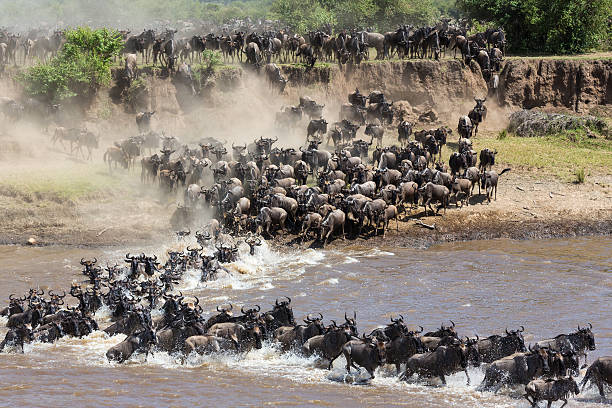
552	26
302	15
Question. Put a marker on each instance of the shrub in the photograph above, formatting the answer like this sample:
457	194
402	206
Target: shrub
80	68
580	176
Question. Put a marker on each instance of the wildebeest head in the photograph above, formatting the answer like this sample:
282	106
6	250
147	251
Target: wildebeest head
282	311
351	323
516	337
587	336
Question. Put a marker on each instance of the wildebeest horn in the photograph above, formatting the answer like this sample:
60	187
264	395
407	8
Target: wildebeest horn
477	338
579	329
95	260
401	317
334	323
258	308
522	328
127	256
276	302
197	300
288	299
590	326
507	331
453	324
308	318
242	310
529	348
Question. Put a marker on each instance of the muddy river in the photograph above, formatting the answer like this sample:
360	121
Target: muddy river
549	286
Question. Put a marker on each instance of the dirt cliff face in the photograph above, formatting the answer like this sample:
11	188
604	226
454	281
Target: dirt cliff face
572	84
428	83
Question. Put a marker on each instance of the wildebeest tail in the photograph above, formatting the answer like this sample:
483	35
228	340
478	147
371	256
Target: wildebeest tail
505	170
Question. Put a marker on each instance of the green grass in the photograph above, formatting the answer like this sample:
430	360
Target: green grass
563	155
69	182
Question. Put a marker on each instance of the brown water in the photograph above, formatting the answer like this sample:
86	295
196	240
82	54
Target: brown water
549	286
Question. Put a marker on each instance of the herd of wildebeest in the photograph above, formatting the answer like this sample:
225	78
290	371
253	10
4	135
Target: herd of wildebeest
132	292
350	189
169	46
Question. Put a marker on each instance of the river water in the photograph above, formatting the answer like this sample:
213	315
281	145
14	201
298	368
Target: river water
549	286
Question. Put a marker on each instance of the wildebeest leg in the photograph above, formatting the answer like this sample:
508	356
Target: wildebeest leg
443	379
467	376
564	403
331	362
533	403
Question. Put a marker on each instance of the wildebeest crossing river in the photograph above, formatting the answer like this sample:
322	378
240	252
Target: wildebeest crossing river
548	286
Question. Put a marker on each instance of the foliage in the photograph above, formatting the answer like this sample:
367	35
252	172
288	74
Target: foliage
136	89
79	68
580	176
302	15
552	26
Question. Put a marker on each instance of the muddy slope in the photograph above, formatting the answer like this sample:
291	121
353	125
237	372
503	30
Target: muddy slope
526	83
572	84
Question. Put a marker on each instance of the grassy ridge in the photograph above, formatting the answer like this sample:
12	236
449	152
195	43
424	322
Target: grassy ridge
561	155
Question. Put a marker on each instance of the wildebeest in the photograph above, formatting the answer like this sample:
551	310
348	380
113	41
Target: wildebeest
599	373
478	114
404	130
550	390
115	155
275	77
495	347
332	223
367	353
518	368
316	127
143	121
270	216
465	127
434	193
375	131
488	181
445	360
137	342
579	342
487	159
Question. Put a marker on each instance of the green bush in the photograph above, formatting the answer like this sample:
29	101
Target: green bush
80	68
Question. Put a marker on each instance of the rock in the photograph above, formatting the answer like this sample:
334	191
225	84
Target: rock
32	241
429	116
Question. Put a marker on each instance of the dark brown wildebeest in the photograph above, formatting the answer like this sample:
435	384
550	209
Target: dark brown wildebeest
599	373
404	130
551	390
518	368
445	360
316	127
579	341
